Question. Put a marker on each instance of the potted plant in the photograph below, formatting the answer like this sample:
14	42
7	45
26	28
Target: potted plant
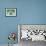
11	37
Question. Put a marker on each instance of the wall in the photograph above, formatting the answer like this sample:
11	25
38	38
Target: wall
28	12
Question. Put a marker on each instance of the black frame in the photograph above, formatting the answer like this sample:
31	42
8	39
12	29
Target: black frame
10	8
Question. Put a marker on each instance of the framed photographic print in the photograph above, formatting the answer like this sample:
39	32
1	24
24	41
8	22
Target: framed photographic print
11	11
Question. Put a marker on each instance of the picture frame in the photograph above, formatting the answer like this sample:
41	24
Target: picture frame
10	12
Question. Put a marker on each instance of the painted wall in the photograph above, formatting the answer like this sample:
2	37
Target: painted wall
28	12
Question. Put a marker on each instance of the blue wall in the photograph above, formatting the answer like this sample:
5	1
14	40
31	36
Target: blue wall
28	12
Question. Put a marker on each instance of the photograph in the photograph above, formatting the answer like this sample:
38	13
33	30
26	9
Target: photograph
10	11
